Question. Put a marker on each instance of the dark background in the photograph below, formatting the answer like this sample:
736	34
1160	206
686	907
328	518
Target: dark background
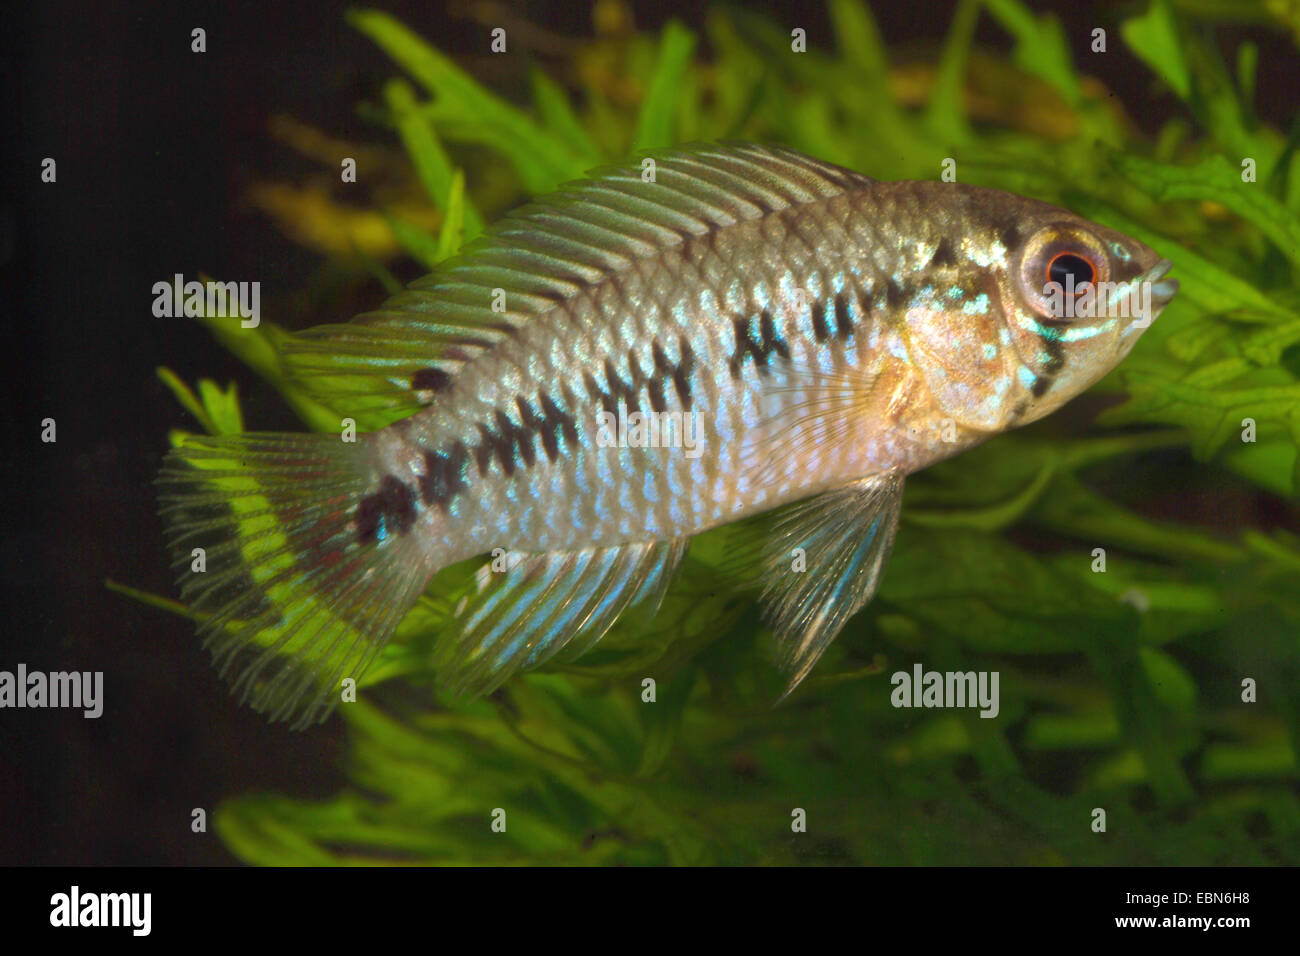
155	146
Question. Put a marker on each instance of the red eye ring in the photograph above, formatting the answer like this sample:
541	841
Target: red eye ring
1066	264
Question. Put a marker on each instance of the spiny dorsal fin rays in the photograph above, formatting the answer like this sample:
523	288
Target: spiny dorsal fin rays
845	536
545	603
541	255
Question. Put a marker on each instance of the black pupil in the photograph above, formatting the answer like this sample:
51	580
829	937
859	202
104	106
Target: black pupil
1066	265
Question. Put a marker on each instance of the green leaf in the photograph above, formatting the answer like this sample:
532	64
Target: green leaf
1214	178
559	119
423	247
188	399
1088	729
861	45
432	166
471	112
1153	38
222	407
1269	464
993	597
1041	46
1173	685
654	125
1116	658
946	112
149	598
988	518
452	235
1073	509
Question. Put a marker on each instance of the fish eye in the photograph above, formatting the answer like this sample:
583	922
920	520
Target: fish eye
1060	259
1069	269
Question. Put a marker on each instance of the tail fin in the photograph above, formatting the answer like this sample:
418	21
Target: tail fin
289	599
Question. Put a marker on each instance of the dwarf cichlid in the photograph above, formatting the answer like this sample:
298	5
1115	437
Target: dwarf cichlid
661	349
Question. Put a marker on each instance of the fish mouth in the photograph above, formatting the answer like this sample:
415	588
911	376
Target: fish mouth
1162	289
1153	287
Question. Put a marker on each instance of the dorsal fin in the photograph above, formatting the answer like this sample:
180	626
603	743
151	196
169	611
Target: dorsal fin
540	255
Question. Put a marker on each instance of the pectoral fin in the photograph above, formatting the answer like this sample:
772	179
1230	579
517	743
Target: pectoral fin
823	563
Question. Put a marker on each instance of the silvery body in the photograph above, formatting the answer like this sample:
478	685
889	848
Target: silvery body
817	334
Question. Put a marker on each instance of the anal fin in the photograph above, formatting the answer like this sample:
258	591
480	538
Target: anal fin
822	565
546	603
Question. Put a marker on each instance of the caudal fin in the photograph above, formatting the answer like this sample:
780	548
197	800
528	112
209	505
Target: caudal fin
289	598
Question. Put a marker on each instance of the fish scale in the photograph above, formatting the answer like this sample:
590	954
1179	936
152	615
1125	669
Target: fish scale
827	334
673	290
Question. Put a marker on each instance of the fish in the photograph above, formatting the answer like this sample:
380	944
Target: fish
708	334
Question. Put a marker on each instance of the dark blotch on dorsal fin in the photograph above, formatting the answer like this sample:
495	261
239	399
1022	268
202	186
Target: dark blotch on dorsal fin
431	380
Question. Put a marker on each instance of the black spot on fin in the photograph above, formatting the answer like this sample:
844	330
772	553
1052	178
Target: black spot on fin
290	602
433	380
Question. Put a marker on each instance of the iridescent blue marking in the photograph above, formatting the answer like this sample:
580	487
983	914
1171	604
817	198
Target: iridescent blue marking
1082	332
1031	324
